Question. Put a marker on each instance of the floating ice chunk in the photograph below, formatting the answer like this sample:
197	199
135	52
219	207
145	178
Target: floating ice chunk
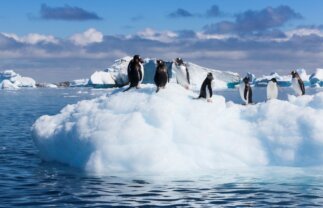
79	83
141	131
316	79
16	80
7	85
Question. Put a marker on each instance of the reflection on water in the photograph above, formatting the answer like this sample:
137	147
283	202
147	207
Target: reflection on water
27	181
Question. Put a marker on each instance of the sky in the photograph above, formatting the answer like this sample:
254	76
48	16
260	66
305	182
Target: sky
61	40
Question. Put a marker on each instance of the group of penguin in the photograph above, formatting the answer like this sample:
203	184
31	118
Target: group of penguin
136	74
272	88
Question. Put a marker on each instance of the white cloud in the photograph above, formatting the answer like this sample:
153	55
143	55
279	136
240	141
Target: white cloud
304	32
163	36
204	36
32	38
88	37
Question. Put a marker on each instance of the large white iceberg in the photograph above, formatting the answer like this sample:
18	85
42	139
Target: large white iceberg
116	75
11	80
141	131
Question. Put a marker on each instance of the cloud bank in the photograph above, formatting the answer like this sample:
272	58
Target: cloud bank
257	41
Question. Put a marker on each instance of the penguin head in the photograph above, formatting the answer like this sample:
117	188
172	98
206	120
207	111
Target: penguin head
179	61
160	62
137	59
294	73
210	76
274	80
246	80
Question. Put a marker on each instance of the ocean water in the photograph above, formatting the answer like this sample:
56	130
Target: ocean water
27	181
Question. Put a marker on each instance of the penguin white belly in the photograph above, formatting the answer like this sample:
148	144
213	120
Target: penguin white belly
272	90
142	72
241	90
181	75
296	87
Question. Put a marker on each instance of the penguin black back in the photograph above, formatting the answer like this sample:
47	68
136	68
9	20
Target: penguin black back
161	75
206	88
295	75
247	90
135	73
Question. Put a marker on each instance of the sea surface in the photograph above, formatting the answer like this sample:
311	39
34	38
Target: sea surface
27	181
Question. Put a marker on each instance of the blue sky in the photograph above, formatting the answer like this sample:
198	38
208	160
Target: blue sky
71	39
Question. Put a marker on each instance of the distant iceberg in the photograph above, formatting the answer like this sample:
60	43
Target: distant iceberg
316	79
79	83
141	131
11	80
116	75
282	81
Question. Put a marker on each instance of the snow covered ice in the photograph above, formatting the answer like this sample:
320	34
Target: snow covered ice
11	80
117	74
141	131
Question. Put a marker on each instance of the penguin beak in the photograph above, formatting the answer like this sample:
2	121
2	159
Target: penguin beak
141	60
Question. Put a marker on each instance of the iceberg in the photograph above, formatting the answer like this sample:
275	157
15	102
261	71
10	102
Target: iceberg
46	85
116	75
282	81
7	85
316	79
11	80
141	131
79	83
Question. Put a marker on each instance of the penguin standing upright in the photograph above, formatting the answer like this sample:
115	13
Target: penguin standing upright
272	89
206	88
135	72
182	73
245	91
161	75
297	84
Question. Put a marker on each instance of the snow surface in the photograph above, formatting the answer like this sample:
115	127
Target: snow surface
11	80
141	131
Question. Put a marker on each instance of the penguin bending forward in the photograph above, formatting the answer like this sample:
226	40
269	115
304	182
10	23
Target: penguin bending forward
161	75
206	88
272	89
297	84
245	91
135	72
182	73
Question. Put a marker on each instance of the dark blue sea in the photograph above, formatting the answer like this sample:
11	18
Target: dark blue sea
27	181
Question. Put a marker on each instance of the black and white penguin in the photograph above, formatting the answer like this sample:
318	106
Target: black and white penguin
135	72
245	91
161	75
297	84
272	89
182	73
206	88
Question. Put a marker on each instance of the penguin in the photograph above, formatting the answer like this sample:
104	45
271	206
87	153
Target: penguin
272	89
245	91
206	88
135	72
297	84
161	75
182	73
